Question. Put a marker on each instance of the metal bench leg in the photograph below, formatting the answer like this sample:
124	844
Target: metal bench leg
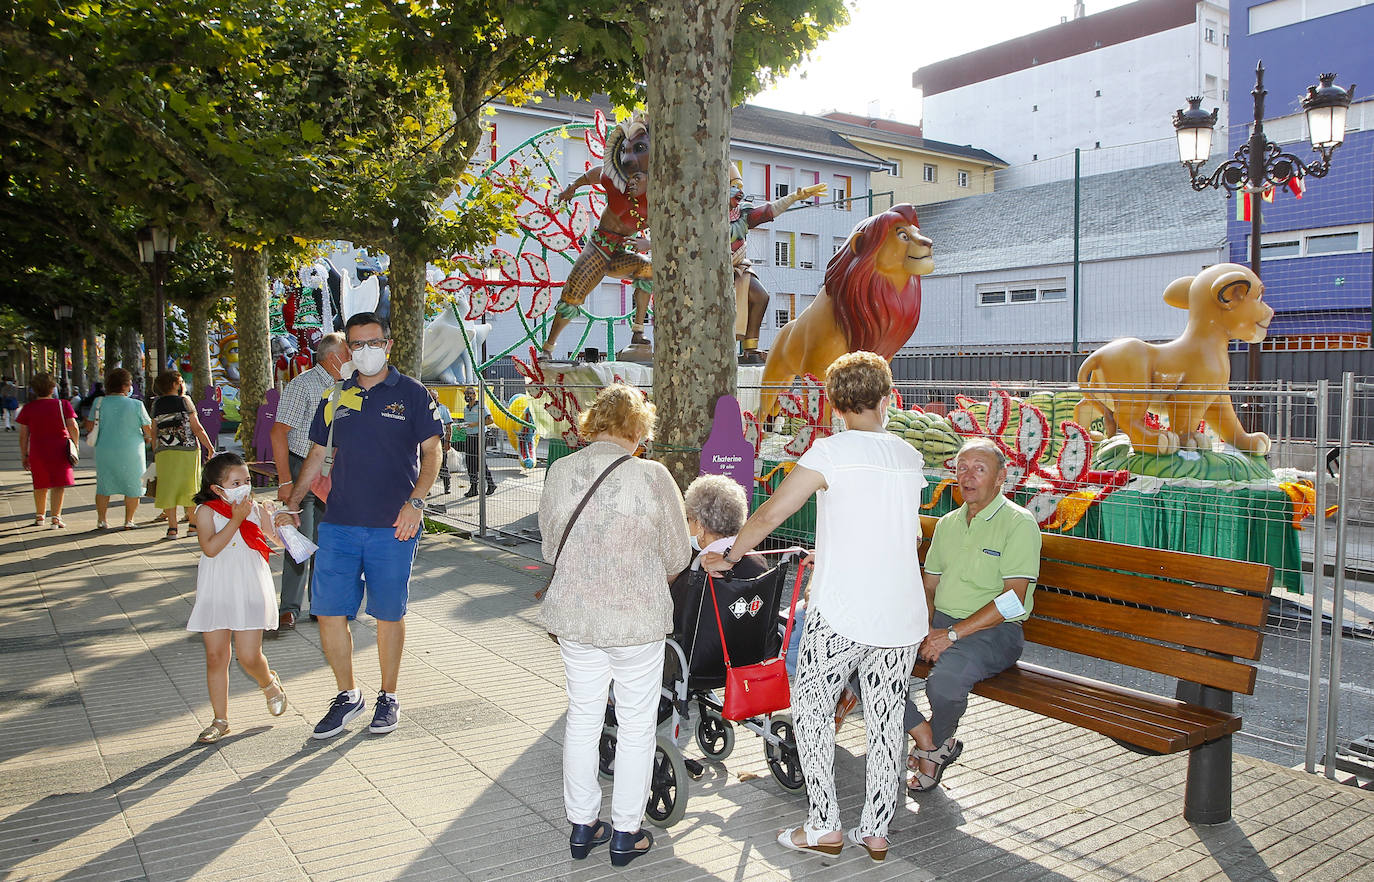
1207	798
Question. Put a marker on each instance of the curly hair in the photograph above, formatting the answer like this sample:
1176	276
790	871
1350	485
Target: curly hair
717	503
618	410
166	382
857	381
42	384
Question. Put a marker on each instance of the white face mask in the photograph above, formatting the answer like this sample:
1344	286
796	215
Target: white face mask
235	495
370	362
696	542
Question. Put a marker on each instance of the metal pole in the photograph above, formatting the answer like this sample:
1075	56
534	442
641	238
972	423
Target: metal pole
1077	216
481	454
1314	655
160	333
1258	150
1333	687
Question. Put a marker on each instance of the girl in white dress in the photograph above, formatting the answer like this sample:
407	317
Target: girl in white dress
235	602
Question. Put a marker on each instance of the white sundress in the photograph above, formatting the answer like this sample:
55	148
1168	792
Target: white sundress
234	588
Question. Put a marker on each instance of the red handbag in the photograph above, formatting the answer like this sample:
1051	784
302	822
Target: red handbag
761	689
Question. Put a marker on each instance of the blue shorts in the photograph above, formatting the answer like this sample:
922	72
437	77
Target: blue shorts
350	557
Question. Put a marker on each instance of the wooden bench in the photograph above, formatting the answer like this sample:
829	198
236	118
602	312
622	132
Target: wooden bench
1183	615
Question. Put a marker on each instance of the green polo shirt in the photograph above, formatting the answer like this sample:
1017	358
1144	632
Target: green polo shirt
972	558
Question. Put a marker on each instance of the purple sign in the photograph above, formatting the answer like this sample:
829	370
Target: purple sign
211	416
725	451
262	429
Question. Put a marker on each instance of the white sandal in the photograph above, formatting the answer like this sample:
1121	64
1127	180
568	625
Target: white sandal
813	844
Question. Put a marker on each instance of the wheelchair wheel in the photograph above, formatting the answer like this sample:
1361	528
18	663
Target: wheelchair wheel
605	762
715	736
668	787
783	761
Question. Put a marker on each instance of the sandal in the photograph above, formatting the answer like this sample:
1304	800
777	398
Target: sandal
102	525
813	844
625	846
215	731
38	521
58	523
942	756
585	837
276	704
854	836
848	701
171	532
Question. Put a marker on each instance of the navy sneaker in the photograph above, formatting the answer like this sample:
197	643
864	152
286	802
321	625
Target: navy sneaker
340	712
386	714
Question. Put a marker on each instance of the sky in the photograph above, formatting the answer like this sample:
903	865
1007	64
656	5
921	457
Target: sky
865	67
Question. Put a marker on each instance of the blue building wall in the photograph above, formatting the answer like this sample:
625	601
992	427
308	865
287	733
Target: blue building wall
1328	294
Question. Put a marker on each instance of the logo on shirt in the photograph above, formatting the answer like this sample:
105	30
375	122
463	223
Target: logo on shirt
742	607
396	410
992	551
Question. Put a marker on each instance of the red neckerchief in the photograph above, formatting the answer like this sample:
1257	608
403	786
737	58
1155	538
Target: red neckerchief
251	532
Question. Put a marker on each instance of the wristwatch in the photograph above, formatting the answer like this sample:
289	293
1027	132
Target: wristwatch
417	504
953	635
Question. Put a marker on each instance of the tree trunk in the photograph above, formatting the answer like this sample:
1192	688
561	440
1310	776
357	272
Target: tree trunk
406	276
255	348
78	344
147	327
198	340
687	69
95	364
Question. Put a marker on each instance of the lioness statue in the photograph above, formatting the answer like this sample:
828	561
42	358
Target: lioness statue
871	301
1186	378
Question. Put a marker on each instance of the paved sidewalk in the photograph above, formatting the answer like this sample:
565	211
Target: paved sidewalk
102	694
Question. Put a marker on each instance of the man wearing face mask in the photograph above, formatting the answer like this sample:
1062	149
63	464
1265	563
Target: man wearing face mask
290	446
385	441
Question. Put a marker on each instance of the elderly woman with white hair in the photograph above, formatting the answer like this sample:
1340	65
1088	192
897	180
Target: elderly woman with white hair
716	510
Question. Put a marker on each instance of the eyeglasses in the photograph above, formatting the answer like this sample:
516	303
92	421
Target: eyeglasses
357	345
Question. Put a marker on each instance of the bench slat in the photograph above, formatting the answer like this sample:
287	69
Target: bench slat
1176	629
1160	564
1149	722
1194	667
1240	608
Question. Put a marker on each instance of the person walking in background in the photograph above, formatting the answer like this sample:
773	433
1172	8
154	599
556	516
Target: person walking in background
234	597
475	421
867	609
45	425
445	429
9	402
610	607
123	429
384	435
179	439
290	445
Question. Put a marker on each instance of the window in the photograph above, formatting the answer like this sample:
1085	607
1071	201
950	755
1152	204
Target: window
1022	292
808	247
1225	40
837	243
841	189
756	181
1209	34
1280	13
963	178
896	167
1315	243
928	173
805	178
782	181
1034	108
782	317
782	253
758	246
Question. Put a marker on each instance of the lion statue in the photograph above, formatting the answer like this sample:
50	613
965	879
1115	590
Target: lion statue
1184	379
871	301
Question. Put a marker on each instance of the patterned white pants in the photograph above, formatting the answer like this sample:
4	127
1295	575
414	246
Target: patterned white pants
827	660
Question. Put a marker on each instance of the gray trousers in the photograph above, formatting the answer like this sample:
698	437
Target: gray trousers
295	577
974	658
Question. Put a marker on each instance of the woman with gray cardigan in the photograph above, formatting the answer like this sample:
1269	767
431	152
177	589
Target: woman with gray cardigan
609	606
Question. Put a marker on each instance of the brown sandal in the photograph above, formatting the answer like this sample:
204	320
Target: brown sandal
848	701
217	729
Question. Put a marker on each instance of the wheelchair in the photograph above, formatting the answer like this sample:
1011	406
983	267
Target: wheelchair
753	614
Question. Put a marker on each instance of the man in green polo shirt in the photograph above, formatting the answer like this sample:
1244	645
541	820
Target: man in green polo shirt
979	578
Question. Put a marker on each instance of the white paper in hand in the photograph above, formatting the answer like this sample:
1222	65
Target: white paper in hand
296	544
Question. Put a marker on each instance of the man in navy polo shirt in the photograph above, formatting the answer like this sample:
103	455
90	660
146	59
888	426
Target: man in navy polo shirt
386	456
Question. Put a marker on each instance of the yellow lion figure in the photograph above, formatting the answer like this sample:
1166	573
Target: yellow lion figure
871	301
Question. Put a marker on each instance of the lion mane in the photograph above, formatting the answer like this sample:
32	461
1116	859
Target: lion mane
870	310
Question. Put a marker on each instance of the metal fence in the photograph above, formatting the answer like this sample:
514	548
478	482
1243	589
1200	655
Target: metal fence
1312	706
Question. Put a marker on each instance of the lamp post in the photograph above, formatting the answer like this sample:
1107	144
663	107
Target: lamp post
155	246
62	313
1259	163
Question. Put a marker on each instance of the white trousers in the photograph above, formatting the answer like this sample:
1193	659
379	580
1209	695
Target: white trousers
638	675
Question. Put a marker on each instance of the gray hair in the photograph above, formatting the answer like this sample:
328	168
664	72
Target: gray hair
329	344
717	503
983	445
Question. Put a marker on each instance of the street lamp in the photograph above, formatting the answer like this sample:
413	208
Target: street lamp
155	245
62	313
1259	163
